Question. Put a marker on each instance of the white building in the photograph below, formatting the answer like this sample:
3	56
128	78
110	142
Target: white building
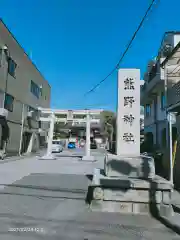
153	91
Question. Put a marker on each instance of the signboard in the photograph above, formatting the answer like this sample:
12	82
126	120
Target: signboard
128	112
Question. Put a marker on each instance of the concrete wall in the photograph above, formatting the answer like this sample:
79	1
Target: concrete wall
14	140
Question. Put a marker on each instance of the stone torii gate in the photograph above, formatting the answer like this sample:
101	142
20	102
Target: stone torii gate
52	119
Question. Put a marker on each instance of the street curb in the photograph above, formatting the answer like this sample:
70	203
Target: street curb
9	159
16	158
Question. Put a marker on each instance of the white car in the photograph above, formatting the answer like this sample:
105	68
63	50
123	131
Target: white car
57	146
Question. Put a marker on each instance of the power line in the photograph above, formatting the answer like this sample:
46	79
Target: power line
125	52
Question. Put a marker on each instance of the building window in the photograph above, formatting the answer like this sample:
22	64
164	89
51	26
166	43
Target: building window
9	102
12	67
35	89
148	110
162	101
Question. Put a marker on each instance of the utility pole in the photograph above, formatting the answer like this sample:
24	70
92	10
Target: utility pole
88	156
168	125
170	147
88	134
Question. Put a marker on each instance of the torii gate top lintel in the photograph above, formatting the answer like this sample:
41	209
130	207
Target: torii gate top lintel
66	111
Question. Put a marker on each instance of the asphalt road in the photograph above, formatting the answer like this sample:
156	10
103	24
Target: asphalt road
46	200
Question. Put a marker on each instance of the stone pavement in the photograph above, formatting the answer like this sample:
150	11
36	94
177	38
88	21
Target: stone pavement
42	199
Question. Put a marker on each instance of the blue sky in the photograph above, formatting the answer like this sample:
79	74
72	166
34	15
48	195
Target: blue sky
75	43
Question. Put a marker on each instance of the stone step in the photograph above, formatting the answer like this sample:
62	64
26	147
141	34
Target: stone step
120	207
131	208
131	195
99	179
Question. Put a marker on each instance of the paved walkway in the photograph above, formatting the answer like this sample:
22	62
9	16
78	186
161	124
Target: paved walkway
15	168
47	199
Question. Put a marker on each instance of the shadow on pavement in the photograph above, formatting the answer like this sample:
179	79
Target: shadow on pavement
89	195
66	155
121	166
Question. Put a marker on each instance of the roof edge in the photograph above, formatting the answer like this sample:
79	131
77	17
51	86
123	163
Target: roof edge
171	54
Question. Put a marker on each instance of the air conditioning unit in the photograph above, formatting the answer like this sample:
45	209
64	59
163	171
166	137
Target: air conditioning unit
34	115
3	112
30	114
